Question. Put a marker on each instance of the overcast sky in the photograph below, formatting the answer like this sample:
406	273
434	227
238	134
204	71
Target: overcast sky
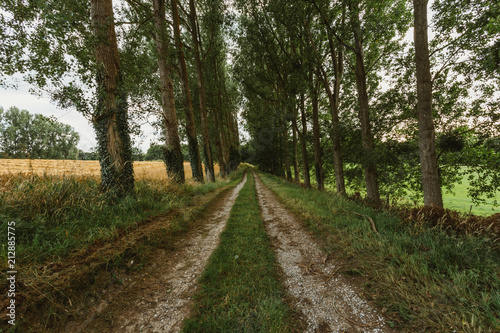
24	100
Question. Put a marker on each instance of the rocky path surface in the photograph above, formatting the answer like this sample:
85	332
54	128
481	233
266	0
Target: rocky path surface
163	299
326	300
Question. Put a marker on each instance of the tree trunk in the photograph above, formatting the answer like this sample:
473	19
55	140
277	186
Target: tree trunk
305	160
294	142
333	98
207	150
220	144
173	154
372	190
219	122
318	163
426	134
337	149
288	169
110	118
194	151
234	152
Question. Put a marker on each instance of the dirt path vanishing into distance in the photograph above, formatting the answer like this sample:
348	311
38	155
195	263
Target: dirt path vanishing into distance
326	300
162	300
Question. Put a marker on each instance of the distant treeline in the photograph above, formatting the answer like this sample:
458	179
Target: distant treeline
26	135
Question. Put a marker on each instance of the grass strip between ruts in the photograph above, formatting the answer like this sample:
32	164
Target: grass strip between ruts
240	289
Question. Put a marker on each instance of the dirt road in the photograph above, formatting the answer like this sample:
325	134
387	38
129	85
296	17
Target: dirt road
161	301
328	302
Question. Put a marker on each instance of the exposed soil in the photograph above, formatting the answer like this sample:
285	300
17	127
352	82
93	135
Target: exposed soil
328	301
159	298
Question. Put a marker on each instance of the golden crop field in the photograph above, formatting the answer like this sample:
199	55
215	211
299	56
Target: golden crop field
142	169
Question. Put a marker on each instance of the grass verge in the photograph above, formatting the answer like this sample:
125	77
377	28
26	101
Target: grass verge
57	215
240	288
422	277
51	293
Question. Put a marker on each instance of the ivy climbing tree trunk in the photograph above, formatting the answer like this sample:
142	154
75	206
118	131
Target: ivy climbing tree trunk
194	150
207	150
426	134
370	169
173	154
110	118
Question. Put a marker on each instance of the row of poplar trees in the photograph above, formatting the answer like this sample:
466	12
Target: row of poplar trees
299	57
119	64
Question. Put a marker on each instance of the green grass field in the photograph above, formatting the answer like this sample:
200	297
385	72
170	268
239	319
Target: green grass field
457	200
461	202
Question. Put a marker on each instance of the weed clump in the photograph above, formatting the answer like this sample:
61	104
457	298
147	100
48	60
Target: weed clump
454	222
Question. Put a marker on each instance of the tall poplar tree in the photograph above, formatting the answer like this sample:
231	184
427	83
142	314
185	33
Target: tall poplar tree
194	151
173	154
68	48
426	134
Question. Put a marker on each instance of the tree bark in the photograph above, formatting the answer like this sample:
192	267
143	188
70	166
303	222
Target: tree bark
333	98
337	149
173	154
288	169
234	152
221	127
426	134
318	163
194	151
294	153
207	150
370	169
305	160
110	118
220	144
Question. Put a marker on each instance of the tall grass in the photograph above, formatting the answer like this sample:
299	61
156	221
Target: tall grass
425	278
55	215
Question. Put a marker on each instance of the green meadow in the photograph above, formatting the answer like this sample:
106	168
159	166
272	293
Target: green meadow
459	200
456	199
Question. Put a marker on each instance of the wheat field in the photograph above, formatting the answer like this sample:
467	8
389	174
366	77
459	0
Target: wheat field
142	169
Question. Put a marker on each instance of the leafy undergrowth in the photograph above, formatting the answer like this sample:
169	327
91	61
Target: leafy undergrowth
240	289
423	277
53	286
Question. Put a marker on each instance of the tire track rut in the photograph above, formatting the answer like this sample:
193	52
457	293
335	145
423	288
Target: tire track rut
164	299
326	300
